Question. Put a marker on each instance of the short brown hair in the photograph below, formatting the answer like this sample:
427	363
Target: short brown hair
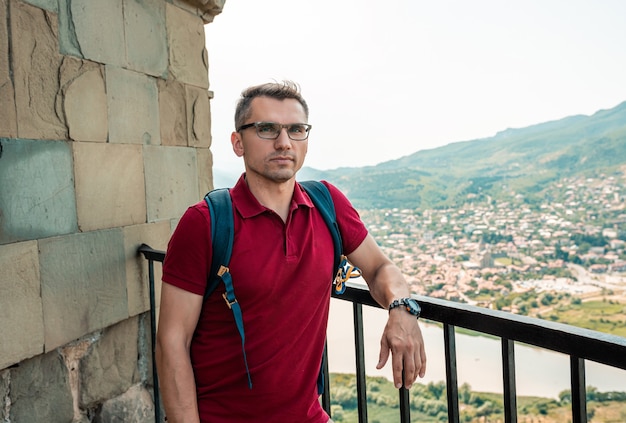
277	90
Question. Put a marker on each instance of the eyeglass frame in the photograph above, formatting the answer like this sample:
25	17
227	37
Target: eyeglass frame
282	125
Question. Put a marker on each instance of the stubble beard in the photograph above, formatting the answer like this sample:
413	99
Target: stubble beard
270	173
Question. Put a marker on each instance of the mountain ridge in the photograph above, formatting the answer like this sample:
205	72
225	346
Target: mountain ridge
522	159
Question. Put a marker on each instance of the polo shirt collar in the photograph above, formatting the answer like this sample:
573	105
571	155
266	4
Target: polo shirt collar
248	206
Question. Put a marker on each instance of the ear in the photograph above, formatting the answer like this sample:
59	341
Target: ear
237	142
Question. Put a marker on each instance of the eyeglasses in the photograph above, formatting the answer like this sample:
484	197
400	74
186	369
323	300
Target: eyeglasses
271	130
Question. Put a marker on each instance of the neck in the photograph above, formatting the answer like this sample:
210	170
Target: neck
275	196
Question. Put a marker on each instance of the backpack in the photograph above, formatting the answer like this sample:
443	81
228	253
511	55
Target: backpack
222	234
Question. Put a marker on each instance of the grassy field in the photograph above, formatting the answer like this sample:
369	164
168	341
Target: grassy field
603	315
428	405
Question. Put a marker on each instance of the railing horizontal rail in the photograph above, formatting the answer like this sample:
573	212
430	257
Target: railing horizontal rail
583	343
150	253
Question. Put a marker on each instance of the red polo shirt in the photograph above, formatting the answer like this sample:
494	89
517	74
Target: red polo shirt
282	279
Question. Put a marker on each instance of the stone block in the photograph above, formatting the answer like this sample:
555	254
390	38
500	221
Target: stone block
133	107
172	112
84	99
93	30
37	194
171	181
36	63
40	391
205	170
134	405
110	366
21	314
188	56
83	284
110	189
49	5
156	235
206	9
198	117
146	38
8	120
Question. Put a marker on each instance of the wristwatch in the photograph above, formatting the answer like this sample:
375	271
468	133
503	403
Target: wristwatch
409	304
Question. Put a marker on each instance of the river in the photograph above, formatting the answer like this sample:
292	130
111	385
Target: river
539	372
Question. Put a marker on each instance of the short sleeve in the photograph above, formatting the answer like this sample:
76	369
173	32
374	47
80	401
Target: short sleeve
188	257
352	228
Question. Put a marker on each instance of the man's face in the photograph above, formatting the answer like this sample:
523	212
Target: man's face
273	160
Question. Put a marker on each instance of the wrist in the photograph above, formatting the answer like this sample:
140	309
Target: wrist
407	304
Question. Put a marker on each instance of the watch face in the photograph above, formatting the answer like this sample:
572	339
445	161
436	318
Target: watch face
414	307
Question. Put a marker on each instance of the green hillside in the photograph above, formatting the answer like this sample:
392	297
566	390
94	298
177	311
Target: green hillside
521	160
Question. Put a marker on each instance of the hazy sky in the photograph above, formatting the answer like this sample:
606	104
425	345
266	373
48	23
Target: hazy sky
385	79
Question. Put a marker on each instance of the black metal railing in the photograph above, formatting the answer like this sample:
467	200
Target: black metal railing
577	343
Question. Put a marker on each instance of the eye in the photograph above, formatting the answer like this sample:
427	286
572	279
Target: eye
297	129
267	128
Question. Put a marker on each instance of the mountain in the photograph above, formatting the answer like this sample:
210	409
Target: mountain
522	160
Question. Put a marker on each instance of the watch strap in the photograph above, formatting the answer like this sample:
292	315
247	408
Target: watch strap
409	304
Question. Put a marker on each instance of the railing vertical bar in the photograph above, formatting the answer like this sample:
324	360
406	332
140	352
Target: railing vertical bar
579	391
359	346
153	329
405	405
508	374
326	393
452	383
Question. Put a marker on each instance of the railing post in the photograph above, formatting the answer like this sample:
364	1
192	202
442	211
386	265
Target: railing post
405	404
359	345
452	383
579	390
326	392
151	255
155	377
508	374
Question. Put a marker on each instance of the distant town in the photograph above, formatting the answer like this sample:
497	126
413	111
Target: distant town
509	252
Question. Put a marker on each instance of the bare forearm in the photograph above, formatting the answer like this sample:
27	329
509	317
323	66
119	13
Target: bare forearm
384	278
388	284
177	385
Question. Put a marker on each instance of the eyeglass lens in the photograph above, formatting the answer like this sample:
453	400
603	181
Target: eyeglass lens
271	130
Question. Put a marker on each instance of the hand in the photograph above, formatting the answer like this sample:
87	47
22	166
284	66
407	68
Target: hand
403	338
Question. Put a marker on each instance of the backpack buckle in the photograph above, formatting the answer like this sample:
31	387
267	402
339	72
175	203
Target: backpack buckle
223	269
228	302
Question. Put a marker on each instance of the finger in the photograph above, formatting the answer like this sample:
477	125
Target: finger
383	356
422	357
398	369
409	371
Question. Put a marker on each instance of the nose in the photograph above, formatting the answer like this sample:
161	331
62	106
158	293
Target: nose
283	142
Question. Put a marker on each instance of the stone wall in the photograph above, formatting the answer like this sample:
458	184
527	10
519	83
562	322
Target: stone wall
104	141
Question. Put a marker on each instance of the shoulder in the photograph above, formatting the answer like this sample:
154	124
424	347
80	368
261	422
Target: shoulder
339	198
197	211
194	219
353	230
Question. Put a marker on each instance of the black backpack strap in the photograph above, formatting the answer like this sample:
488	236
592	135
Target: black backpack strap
222	235
319	194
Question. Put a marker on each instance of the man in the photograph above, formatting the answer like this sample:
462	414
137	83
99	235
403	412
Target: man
281	267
